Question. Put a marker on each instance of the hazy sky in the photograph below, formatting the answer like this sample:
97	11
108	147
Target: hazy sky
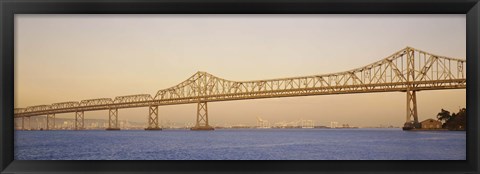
62	58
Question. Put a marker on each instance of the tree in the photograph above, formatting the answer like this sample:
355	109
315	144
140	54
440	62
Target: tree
457	121
461	120
444	115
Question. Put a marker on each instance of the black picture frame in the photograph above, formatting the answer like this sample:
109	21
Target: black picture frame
9	8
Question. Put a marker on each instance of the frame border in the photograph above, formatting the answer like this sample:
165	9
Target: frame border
8	9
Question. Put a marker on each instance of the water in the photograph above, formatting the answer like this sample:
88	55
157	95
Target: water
243	144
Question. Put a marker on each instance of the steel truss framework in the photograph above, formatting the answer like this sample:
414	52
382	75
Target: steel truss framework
153	117
50	121
79	121
202	115
113	119
408	70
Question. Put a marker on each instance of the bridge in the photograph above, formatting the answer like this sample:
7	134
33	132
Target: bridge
408	70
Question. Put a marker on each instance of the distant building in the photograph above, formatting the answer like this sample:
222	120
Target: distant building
307	123
431	124
262	123
333	124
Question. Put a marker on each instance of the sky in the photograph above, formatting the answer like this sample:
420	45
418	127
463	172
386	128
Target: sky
62	58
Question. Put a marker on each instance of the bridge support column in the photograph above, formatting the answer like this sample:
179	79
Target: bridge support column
411	111
202	117
79	121
23	123
411	94
26	125
29	125
50	121
113	119
153	118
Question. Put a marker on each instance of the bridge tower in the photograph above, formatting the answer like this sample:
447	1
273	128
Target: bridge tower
202	117
411	93
79	122
50	121
202	86
153	118
113	119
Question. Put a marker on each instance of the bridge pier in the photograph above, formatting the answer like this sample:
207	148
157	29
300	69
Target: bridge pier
411	112
50	121
79	121
113	119
23	123
23	120
411	94
29	123
153	118
202	117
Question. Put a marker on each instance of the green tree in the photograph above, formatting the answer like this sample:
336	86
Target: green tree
444	115
460	120
457	121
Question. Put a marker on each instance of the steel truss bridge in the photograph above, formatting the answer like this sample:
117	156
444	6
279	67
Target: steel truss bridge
408	70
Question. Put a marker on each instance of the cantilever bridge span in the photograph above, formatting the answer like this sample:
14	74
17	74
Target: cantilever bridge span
408	70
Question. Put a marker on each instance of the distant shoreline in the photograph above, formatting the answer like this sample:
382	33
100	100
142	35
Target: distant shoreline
428	130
